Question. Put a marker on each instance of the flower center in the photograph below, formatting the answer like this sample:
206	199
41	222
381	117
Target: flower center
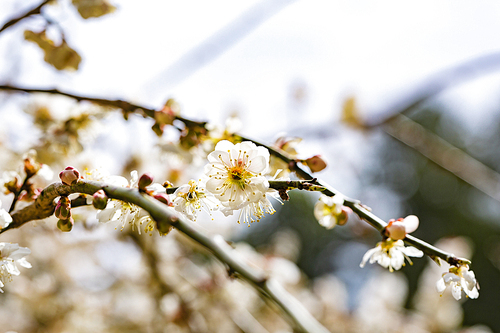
237	175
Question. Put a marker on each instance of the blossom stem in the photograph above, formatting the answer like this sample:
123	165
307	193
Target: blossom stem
17	194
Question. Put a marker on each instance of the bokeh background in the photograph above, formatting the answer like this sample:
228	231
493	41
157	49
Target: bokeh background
343	76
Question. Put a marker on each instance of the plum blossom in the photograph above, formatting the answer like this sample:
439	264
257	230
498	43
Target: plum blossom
190	198
10	256
236	174
257	209
391	254
329	211
5	218
124	212
459	278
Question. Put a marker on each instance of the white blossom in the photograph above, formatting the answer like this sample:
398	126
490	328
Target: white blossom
257	209
5	218
190	198
459	278
391	254
123	212
236	173
10	256
328	210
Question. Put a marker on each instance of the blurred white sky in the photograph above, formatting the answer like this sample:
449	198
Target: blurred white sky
374	50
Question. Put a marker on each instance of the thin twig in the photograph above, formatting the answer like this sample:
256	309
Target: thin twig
31	12
17	194
126	107
165	217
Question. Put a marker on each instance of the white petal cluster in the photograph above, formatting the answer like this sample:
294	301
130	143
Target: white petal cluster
459	278
190	198
236	178
257	209
328	210
10	256
123	212
5	218
391	254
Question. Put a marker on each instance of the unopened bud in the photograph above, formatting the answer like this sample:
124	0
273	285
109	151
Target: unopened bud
145	180
100	200
31	167
397	229
13	185
65	225
69	176
164	198
63	209
316	163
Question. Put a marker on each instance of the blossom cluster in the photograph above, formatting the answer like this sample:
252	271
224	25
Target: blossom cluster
234	180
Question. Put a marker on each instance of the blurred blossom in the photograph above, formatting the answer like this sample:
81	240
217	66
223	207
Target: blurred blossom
381	306
328	211
10	256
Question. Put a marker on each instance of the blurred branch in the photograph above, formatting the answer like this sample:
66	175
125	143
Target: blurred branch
17	194
294	165
445	155
215	45
34	11
126	107
165	217
435	84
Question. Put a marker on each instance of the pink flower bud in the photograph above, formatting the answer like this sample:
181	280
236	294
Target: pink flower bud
164	198
69	176
65	225
398	229
63	209
145	180
316	163
100	200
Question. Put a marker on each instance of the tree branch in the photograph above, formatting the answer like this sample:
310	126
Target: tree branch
34	11
165	217
361	210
